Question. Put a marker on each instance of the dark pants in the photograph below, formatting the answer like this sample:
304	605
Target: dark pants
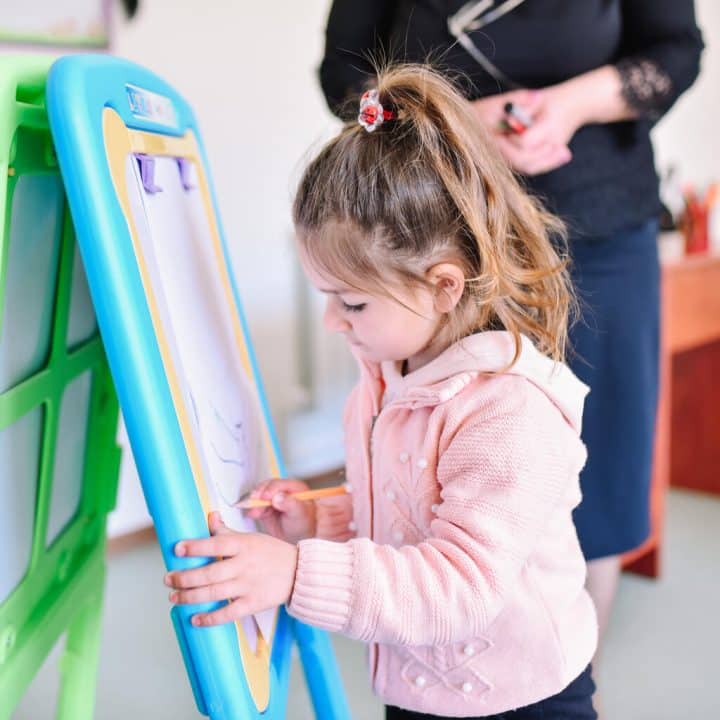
572	703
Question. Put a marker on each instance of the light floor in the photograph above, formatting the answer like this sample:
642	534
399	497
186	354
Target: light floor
661	659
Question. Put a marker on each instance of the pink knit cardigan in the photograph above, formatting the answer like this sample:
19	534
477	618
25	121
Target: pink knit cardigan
457	558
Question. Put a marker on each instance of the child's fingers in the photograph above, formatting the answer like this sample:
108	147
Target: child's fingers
207	593
263	514
259	513
217	572
288	505
276	506
265	491
216	524
270	491
214	546
273	526
281	485
260	489
235	610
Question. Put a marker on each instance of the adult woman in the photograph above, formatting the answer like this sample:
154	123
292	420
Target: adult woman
593	77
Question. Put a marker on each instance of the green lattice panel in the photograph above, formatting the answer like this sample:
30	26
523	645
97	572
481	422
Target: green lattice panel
58	414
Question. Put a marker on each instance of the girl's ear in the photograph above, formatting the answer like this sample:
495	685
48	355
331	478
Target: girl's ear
448	280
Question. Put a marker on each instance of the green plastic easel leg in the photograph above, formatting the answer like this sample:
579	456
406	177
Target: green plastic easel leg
78	667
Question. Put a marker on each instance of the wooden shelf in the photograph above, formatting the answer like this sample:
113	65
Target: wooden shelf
689	357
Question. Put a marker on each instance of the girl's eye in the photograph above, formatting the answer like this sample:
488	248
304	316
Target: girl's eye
354	308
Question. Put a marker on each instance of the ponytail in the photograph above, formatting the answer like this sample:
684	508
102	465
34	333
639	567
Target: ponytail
428	185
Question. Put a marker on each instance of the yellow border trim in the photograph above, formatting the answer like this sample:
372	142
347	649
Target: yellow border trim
120	141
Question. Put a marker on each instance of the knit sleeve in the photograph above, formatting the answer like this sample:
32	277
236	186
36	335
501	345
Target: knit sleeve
661	50
504	482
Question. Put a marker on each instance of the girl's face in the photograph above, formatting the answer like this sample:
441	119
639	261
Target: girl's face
378	327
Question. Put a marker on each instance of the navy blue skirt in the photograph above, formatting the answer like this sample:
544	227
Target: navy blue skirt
615	350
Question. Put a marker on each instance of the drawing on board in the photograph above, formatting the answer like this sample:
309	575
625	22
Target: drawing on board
177	251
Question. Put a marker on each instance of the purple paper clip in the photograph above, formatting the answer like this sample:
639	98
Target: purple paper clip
186	174
147	173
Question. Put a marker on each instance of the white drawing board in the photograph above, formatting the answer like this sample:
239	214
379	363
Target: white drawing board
224	408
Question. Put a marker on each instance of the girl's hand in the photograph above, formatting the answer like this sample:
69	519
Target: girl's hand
256	573
289	519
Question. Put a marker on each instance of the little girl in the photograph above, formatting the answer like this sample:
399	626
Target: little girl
454	556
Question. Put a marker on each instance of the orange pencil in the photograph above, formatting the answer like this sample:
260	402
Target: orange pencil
251	503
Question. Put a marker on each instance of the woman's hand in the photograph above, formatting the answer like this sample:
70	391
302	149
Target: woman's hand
556	115
491	110
256	573
558	112
289	519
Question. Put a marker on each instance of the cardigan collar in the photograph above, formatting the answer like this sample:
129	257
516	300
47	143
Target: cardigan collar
481	353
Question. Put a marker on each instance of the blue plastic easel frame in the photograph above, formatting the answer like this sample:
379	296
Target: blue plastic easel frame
79	88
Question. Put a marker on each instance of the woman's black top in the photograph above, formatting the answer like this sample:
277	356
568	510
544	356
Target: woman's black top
611	182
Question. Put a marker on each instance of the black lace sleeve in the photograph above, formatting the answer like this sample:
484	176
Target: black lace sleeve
660	53
646	87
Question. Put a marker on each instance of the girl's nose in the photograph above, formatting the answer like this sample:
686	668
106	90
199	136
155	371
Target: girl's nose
334	321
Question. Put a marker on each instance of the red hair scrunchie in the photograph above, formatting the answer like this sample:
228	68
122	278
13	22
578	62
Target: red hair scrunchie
372	114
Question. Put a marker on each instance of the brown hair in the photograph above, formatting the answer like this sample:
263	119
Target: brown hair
427	187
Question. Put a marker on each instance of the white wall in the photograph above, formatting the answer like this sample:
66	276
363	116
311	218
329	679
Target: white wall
689	136
248	69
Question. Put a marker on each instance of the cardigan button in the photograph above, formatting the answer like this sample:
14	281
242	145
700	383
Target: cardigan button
422	463
434	507
404	457
348	487
352	525
390	495
467	687
420	681
469	650
398	536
